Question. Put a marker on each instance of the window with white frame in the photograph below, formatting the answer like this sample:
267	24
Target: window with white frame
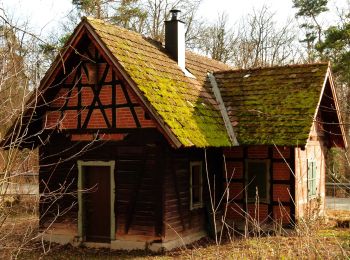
258	180
196	185
311	178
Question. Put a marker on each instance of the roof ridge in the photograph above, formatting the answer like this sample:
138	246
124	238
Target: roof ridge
150	39
89	18
207	58
298	65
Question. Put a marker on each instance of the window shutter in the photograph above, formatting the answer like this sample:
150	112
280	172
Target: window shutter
314	178
311	178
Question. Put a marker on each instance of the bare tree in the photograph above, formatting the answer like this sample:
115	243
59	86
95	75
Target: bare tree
158	12
143	16
261	43
256	42
95	8
21	67
217	40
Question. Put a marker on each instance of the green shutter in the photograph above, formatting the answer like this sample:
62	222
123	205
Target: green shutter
314	178
311	178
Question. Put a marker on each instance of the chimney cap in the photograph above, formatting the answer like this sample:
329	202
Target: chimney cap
174	14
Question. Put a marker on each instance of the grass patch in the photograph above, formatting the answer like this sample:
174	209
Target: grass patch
330	243
321	242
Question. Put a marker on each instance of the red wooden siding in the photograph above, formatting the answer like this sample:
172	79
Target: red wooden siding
93	97
280	206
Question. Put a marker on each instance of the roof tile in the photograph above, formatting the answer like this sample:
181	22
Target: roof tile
176	98
273	105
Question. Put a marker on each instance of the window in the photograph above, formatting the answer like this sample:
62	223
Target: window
257	180
196	185
311	178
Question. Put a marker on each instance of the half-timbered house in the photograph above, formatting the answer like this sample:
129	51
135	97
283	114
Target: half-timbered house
137	140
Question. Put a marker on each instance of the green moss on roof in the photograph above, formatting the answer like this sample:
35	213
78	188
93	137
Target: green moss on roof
266	106
272	105
183	103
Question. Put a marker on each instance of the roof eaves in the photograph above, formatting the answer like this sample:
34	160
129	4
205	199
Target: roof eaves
336	102
319	102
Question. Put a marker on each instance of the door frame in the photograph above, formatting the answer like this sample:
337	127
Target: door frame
81	178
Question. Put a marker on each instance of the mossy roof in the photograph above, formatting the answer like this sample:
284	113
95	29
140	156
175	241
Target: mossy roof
273	105
183	103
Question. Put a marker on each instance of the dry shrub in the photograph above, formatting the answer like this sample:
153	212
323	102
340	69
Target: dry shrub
19	224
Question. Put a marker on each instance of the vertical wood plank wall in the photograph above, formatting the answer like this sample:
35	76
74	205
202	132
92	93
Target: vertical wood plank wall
179	219
137	174
152	186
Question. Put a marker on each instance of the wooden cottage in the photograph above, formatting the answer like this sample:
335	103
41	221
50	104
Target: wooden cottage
131	138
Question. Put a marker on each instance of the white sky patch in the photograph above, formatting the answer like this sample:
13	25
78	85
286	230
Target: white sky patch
44	15
238	9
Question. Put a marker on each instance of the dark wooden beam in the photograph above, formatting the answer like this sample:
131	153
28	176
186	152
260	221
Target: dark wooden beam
292	184
92	107
270	205
87	53
132	109
245	191
107	130
104	75
105	83
158	177
79	98
114	101
96	90
69	94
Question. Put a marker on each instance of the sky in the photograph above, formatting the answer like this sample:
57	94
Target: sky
44	15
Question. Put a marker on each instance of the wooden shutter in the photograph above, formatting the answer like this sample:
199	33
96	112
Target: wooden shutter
311	178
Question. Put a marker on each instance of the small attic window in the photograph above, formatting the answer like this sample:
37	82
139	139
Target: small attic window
91	73
147	116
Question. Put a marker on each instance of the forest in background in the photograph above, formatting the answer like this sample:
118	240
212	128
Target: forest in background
257	41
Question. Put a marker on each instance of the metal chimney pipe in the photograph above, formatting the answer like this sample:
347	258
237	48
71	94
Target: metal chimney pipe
175	38
174	14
